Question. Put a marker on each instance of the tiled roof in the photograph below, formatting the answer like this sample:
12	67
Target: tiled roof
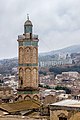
20	106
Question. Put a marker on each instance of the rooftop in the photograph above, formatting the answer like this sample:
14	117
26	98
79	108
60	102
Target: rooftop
20	106
68	103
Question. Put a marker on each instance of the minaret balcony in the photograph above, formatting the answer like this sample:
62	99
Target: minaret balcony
35	36
21	37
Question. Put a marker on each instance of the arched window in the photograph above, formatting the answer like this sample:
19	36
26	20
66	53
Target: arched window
34	55
27	55
35	77
21	55
28	77
62	116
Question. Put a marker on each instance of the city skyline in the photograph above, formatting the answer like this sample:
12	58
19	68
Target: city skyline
56	23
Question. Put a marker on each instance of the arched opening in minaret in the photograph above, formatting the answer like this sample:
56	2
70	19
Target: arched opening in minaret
27	97
36	97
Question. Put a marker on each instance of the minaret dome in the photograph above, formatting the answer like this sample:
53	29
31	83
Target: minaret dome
28	25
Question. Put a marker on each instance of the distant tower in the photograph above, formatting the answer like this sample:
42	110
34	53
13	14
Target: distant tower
28	60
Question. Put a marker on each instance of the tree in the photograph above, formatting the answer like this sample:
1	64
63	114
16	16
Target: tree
67	90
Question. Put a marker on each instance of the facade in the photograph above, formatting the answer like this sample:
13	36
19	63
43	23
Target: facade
28	60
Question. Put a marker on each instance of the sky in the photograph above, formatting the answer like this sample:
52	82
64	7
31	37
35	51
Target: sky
57	23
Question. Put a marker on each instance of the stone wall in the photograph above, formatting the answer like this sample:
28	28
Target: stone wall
70	115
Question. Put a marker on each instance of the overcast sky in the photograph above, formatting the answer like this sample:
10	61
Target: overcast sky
57	22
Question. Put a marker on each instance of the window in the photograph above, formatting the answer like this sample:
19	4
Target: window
62	118
21	82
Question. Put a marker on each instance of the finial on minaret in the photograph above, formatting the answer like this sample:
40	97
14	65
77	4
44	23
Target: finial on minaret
27	16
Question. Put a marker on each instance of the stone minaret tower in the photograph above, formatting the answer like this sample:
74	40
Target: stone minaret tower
28	59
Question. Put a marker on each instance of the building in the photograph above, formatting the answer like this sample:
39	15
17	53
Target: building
71	74
46	79
65	110
28	61
55	60
6	94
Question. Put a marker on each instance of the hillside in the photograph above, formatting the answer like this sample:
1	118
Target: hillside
6	65
70	49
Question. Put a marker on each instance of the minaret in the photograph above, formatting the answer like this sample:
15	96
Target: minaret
28	60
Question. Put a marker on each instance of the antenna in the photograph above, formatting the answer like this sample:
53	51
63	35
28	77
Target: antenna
27	16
